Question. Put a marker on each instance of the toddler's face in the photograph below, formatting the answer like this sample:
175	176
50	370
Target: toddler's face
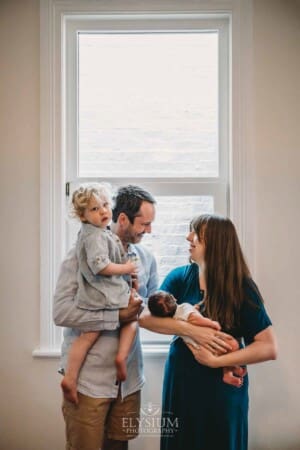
98	212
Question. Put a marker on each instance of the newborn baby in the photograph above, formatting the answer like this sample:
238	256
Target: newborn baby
163	304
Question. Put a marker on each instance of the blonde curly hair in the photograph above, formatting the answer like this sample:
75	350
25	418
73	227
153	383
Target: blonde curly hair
82	196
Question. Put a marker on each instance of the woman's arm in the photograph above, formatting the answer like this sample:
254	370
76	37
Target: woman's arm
263	348
205	336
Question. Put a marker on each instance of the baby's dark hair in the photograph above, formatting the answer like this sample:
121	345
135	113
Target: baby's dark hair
162	304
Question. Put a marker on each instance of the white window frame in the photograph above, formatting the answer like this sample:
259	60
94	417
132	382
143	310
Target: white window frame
139	23
55	14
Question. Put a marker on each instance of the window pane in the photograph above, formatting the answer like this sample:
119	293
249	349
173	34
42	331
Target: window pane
148	105
168	238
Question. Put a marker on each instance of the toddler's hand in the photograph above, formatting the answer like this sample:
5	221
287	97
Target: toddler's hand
130	267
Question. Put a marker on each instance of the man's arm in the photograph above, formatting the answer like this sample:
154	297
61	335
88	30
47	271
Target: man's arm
152	284
147	281
65	311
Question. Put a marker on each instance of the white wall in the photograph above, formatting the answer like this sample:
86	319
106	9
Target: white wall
30	398
275	406
29	417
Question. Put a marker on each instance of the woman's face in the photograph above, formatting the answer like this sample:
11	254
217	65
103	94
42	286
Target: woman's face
197	247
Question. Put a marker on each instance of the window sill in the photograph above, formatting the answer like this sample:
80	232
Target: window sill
46	353
148	349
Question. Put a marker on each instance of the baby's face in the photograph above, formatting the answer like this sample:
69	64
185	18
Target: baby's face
98	212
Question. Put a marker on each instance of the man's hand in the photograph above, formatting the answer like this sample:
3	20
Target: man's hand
133	309
134	282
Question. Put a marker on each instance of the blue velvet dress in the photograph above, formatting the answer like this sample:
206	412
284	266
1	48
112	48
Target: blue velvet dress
200	411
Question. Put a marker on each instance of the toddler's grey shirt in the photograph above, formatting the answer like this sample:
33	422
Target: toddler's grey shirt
96	248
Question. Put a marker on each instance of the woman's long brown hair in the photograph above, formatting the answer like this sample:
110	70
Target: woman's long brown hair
225	270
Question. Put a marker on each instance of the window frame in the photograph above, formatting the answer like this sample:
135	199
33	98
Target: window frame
54	14
135	24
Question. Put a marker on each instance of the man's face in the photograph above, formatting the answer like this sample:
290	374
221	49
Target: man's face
134	232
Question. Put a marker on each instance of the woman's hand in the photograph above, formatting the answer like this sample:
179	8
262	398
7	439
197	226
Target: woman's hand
263	348
213	340
204	356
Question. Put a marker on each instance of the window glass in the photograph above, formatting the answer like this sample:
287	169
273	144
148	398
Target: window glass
148	105
168	238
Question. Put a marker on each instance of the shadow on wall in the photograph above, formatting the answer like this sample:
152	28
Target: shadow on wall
273	418
295	446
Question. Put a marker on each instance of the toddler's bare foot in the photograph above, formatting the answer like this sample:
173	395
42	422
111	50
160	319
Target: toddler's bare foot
69	388
121	368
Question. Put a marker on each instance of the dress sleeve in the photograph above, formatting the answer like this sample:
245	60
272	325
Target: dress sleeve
173	282
254	317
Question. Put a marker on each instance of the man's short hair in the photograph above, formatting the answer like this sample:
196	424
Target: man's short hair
128	200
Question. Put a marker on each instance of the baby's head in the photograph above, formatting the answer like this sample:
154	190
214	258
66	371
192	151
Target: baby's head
92	203
162	304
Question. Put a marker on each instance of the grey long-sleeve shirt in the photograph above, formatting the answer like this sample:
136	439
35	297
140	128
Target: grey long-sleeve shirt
97	377
96	248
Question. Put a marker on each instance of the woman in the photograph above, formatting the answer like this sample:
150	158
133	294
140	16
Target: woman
200	411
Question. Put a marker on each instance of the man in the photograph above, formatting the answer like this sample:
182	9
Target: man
98	420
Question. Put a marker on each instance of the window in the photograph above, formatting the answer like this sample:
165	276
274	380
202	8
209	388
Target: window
151	108
142	98
151	100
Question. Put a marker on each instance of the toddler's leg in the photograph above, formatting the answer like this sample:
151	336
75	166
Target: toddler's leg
127	335
78	352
